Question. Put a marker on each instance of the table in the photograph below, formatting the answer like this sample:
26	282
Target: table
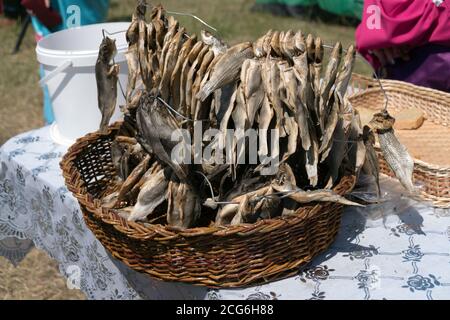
381	252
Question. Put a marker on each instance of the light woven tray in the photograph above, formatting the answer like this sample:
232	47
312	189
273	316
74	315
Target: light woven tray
429	145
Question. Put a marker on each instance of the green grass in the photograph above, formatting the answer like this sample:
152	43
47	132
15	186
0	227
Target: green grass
21	103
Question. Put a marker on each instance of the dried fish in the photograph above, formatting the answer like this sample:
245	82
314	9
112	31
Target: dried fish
184	205
253	90
227	68
275	43
328	82
156	126
371	166
172	30
395	153
271	80
170	60
265	117
133	178
288	48
151	195
323	195
107	76
192	56
175	82
344	76
191	78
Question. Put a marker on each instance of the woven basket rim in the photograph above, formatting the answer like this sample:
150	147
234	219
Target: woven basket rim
164	232
412	88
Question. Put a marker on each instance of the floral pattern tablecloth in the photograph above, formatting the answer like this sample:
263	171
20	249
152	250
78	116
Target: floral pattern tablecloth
390	252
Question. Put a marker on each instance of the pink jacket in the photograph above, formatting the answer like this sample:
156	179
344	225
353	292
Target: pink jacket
390	23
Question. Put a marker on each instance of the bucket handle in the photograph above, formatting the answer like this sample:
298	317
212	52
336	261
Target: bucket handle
55	72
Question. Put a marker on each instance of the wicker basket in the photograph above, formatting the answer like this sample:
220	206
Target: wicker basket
436	107
211	256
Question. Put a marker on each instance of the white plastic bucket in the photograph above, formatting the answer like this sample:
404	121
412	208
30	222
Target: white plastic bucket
69	58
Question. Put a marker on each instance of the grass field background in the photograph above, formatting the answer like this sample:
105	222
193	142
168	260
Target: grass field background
37	277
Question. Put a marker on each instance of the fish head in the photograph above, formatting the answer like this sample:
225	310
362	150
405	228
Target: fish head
382	121
107	49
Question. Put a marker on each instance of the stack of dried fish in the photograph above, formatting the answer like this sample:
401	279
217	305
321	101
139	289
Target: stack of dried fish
273	86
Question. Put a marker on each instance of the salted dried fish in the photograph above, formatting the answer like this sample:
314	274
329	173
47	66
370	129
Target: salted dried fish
156	126
275	43
318	59
321	195
337	152
328	82
227	69
253	90
371	165
107	76
226	214
295	102
133	70
172	31
160	32
152	194
356	146
200	110
192	56
132	33
344	76
175	81
191	78
395	153
244	211
288	48
184	205
300	42
133	178
258	47
271	80
265	117
330	126
217	45
170	60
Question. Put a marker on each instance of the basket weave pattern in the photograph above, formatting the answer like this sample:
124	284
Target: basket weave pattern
233	256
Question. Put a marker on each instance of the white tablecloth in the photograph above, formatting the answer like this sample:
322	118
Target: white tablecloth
392	254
